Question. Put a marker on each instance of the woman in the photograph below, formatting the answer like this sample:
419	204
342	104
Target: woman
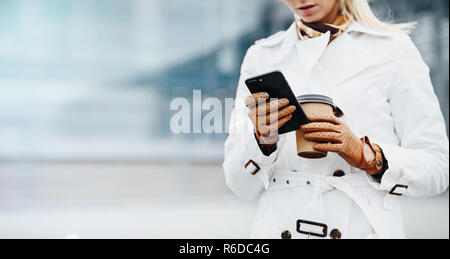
390	142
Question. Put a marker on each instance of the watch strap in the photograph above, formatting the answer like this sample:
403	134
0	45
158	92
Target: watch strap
375	165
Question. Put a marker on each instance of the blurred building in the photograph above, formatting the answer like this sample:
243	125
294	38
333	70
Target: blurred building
93	80
89	83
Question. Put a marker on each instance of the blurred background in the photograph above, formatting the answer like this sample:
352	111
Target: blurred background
85	86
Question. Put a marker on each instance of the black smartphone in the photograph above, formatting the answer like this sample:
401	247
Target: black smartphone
277	87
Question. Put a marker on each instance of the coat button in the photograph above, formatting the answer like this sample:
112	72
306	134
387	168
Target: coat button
339	173
286	235
336	234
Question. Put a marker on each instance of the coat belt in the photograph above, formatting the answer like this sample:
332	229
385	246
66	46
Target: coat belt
286	179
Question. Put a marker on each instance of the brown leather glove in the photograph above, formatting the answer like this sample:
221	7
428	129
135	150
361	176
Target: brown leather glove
337	137
268	116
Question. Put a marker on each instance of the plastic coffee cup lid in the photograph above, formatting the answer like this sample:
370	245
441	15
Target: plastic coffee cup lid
315	98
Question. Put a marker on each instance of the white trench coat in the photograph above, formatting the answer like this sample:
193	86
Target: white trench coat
381	83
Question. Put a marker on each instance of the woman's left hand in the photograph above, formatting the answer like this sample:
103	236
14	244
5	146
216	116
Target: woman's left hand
341	140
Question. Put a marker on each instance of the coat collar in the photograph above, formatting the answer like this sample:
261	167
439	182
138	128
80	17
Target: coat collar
358	27
346	56
309	51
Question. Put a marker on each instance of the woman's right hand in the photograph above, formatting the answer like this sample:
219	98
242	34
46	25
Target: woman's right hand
268	116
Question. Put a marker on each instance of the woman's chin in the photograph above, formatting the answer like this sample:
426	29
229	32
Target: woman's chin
310	18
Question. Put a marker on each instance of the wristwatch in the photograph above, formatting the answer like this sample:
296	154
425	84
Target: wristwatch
379	176
375	162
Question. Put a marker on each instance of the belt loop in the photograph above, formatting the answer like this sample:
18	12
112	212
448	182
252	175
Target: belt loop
316	203
266	181
390	199
266	177
388	202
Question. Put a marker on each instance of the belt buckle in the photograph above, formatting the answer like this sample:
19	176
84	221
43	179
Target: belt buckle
305	222
398	186
257	168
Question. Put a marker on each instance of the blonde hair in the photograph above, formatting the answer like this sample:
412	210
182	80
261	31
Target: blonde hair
360	11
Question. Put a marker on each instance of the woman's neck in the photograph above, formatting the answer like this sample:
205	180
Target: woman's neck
331	17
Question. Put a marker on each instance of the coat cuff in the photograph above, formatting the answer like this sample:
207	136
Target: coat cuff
258	164
394	180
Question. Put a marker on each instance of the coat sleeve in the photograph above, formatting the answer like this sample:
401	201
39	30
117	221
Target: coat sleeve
243	156
419	166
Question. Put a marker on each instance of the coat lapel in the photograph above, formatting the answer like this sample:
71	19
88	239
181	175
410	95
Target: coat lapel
288	43
344	58
310	51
